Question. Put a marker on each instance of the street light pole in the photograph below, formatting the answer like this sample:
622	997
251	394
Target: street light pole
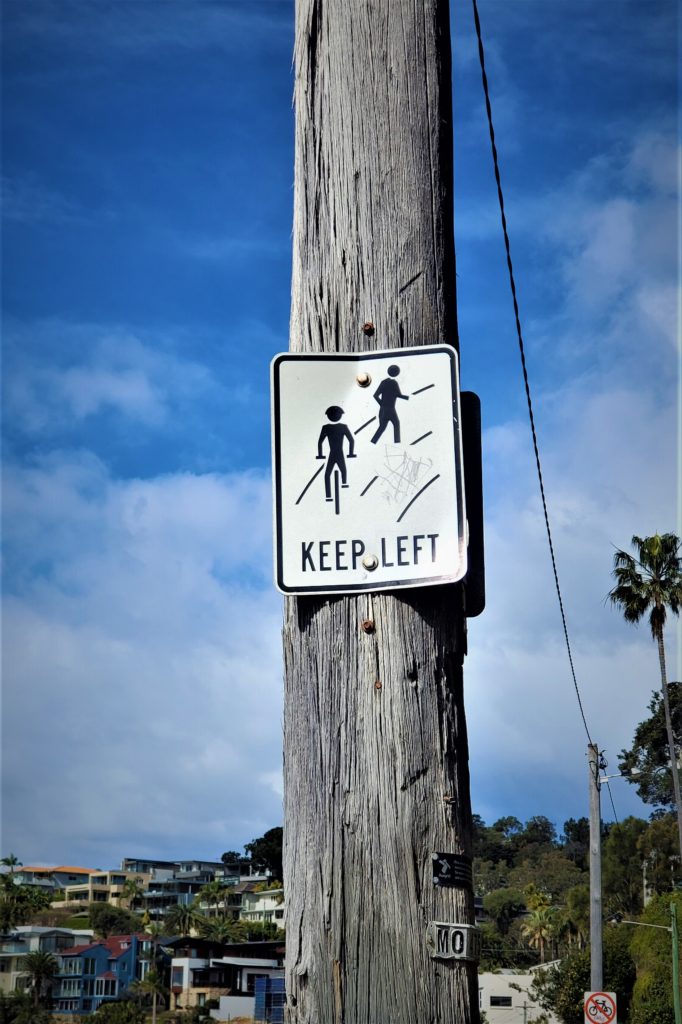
672	928
676	963
596	976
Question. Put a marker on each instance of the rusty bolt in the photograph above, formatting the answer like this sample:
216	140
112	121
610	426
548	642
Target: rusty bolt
377	685
368	328
367	625
447	799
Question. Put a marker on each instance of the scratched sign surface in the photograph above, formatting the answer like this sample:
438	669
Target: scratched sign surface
368	487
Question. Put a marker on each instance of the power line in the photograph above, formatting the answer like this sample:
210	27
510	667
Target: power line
519	333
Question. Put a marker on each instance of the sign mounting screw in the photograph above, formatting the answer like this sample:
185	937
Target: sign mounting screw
370	562
364	380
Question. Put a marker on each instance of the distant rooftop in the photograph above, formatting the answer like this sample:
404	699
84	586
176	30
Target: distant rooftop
64	869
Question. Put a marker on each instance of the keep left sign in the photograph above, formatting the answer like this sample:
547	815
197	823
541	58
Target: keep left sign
368	481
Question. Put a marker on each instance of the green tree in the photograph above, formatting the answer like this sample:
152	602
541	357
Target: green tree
539	928
576	914
489	844
42	970
649	756
561	987
183	919
19	904
133	890
215	893
151	988
660	854
219	929
652	583
489	876
550	870
576	841
622	864
19	1008
107	920
502	906
11	862
652	953
266	852
124	1011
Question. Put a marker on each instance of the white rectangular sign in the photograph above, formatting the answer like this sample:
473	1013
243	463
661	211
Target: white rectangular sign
453	941
367	458
601	1008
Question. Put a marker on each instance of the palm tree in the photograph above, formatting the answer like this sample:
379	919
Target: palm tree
215	892
653	583
539	929
43	970
132	891
151	985
183	918
218	929
11	862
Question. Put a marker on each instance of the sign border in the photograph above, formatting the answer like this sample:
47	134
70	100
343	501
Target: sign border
368	586
613	996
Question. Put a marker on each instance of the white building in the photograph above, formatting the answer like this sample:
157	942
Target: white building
505	997
266	905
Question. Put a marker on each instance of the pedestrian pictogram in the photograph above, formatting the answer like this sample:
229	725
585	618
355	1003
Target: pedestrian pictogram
600	1008
385	508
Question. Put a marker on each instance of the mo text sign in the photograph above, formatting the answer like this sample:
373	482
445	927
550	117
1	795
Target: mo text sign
368	470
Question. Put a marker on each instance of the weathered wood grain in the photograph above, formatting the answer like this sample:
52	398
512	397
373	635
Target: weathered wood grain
375	762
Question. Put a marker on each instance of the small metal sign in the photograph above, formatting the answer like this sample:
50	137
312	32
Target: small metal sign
452	870
367	456
601	1008
453	941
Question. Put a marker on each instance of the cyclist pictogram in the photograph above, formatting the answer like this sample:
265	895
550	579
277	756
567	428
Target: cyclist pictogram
368	497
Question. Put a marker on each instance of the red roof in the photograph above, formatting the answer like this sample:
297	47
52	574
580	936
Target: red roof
115	944
62	868
107	976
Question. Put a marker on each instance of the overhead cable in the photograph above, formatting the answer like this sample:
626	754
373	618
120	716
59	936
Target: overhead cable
519	333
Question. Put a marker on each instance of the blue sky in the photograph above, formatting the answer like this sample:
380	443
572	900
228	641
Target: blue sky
148	192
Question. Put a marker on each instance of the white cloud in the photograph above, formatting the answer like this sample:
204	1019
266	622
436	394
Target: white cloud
141	662
102	369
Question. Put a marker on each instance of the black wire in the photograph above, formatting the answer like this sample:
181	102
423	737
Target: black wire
523	359
613	806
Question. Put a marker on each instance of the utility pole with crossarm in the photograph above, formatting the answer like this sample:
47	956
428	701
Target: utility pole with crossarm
377	848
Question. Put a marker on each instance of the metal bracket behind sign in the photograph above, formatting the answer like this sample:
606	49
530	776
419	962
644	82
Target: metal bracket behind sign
474	581
453	870
453	941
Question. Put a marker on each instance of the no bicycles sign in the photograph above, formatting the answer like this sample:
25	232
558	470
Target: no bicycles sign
600	1008
367	457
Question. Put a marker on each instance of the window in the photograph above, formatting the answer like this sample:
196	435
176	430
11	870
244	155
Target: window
176	977
251	982
279	914
500	1000
89	965
105	987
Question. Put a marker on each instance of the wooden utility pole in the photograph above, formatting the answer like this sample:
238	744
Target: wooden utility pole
596	910
375	749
